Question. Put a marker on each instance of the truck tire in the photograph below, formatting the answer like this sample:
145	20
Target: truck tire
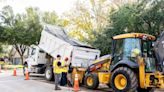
91	81
124	79
49	76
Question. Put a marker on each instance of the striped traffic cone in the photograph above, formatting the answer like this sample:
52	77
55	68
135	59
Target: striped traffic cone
76	83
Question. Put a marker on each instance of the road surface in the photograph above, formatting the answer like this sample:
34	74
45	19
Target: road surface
9	83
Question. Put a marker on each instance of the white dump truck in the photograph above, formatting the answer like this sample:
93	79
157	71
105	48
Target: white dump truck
54	40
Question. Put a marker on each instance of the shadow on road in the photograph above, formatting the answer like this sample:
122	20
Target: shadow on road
41	78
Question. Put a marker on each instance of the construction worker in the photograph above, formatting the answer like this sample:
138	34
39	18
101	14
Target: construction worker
63	81
135	52
57	69
69	75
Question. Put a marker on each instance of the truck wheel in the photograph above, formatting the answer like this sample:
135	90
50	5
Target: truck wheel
91	81
124	79
49	74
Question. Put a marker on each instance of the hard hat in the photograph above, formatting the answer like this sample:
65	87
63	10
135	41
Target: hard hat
135	52
66	59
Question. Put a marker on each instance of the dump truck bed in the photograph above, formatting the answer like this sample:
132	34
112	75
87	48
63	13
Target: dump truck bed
54	40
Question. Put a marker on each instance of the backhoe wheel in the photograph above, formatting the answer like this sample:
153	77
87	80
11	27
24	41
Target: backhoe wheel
91	81
124	79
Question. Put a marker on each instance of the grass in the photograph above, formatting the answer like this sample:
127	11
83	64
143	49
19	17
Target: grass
12	66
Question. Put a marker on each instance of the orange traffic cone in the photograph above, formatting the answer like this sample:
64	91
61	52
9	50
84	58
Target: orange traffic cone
76	83
14	72
26	74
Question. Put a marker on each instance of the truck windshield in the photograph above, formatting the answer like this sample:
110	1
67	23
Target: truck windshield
129	45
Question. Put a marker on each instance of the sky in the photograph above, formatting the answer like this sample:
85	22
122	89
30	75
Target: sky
59	6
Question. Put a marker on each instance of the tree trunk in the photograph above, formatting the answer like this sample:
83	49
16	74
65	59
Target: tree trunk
21	50
21	59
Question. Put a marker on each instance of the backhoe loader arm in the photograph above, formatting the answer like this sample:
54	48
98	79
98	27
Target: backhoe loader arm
99	64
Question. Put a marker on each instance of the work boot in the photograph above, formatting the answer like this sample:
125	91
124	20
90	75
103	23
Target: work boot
69	84
57	88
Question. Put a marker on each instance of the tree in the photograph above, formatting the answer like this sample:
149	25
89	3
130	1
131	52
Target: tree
20	30
53	19
87	18
50	17
144	16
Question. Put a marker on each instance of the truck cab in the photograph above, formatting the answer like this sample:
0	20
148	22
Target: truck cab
36	60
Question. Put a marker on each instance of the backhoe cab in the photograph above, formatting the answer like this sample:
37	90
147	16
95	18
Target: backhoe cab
132	65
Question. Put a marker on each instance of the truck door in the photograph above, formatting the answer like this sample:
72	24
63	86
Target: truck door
42	57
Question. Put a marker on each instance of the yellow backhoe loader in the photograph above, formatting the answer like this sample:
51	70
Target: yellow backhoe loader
135	64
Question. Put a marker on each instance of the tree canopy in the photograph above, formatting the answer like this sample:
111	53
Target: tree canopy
144	17
94	23
20	30
86	18
23	30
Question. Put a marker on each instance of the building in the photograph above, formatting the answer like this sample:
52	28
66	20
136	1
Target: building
15	57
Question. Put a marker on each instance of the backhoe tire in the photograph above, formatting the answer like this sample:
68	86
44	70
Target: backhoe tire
91	81
49	76
123	79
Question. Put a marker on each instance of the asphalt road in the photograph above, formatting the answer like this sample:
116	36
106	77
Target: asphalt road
9	83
